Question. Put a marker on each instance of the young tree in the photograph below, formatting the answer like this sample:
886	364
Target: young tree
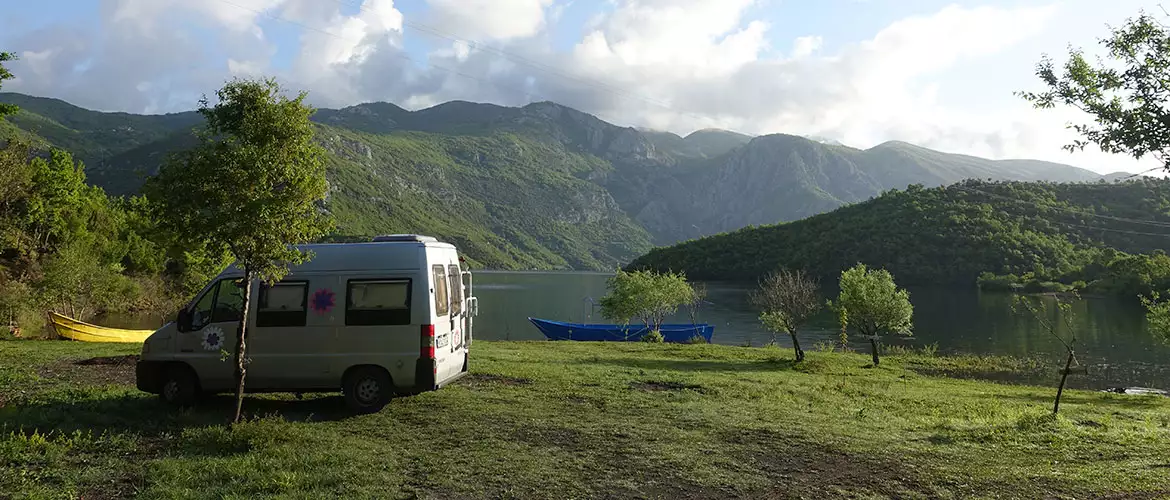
251	186
873	304
698	297
6	109
1127	96
647	295
1038	308
787	300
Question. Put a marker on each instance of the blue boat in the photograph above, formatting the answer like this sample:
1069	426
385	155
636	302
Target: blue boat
678	333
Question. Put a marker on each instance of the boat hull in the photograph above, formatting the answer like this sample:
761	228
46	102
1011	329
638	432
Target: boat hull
676	333
81	331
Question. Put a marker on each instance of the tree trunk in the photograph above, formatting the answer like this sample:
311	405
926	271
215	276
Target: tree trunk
796	348
241	357
874	348
1063	377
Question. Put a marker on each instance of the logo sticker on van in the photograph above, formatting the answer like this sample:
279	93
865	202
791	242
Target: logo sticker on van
212	338
441	340
322	301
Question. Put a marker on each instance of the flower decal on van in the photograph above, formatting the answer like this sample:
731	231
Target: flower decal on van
212	338
322	301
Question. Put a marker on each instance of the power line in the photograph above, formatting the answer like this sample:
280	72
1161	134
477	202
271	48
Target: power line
1080	212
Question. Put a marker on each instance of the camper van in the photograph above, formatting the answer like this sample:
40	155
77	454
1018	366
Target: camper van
376	319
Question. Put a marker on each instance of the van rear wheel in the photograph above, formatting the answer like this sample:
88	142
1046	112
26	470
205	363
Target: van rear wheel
367	389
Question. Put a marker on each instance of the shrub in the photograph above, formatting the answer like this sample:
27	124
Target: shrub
653	337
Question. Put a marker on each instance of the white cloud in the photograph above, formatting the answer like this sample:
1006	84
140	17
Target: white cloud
480	20
805	46
670	64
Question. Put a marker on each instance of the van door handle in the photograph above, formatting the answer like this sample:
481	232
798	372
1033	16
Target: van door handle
186	350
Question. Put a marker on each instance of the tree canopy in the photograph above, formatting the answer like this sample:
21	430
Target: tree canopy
646	295
873	304
1126	95
253	183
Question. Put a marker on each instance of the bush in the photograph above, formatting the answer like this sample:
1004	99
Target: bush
1005	283
653	337
696	339
1037	286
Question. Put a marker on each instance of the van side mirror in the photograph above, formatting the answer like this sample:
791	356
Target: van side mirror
183	322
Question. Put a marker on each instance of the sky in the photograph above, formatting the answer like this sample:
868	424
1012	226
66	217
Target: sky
935	73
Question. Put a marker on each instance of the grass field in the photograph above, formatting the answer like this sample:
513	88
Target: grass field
581	420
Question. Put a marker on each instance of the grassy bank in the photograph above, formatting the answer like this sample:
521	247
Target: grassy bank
542	419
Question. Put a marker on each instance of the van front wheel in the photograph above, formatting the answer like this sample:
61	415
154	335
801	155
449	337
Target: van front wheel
180	386
367	389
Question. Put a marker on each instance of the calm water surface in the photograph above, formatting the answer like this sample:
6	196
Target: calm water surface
1113	340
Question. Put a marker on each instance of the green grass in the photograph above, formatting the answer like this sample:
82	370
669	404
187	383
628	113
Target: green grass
571	420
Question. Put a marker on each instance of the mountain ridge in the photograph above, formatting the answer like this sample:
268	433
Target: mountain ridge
567	189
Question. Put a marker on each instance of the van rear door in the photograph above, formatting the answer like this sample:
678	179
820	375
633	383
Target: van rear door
444	327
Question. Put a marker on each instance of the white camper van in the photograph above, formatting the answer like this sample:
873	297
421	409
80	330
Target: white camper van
391	316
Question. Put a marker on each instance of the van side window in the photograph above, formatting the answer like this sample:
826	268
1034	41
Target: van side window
440	280
377	302
455	278
283	304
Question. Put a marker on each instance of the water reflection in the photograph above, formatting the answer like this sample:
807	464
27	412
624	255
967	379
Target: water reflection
1112	337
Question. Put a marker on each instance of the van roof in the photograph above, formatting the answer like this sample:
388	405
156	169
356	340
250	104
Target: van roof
393	254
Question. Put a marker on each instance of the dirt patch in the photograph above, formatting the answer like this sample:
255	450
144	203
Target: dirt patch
659	386
475	379
129	359
116	370
810	470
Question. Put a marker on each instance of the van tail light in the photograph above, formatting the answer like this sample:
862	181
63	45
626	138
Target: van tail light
428	342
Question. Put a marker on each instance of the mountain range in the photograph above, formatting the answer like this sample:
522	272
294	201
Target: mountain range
540	186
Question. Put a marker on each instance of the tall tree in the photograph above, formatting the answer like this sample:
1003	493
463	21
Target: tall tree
873	304
251	186
786	300
1126	95
6	109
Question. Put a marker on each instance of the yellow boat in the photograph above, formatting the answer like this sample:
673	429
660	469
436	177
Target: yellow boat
78	330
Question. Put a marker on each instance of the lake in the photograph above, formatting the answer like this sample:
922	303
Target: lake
1112	337
1113	340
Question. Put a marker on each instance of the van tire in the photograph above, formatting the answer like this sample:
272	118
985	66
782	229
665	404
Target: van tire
367	389
180	386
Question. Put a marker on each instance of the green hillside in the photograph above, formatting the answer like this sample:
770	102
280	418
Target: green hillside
539	186
946	235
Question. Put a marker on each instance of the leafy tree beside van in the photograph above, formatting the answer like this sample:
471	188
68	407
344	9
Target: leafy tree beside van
250	186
